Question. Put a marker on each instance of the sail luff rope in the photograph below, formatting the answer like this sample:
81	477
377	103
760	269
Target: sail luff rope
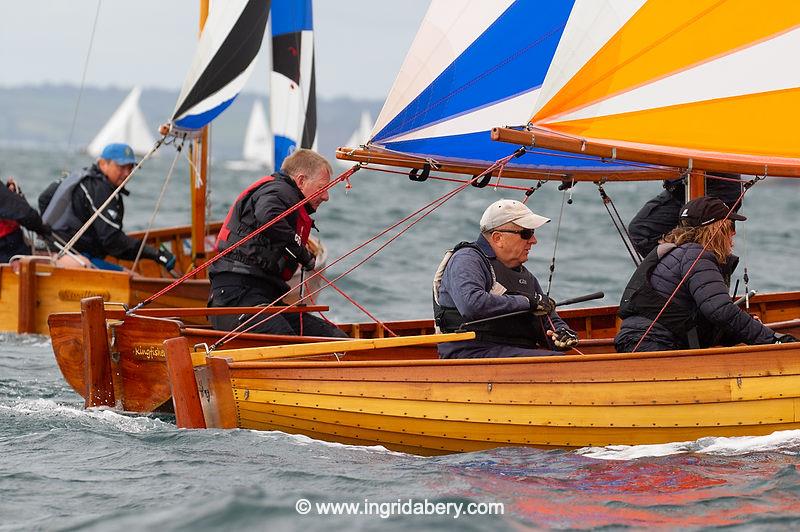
432	205
156	209
343	177
83	77
745	188
105	204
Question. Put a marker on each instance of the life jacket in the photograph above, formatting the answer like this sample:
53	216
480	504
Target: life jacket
58	212
522	330
259	256
7	227
640	299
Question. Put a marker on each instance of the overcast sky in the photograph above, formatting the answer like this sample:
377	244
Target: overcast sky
360	44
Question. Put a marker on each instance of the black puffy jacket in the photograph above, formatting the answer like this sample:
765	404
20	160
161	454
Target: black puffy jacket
705	292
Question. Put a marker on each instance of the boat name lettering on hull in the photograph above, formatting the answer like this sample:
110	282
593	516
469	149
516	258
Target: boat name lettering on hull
148	352
77	295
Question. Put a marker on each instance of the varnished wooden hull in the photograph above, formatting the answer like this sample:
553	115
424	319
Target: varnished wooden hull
444	406
138	361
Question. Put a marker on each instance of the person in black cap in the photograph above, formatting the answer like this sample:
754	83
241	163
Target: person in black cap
701	314
15	212
68	203
659	215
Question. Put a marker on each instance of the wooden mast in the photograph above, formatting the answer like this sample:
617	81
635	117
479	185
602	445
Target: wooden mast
199	178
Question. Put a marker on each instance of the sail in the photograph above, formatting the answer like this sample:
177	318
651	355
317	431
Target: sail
702	78
127	125
362	134
224	60
258	139
474	65
293	106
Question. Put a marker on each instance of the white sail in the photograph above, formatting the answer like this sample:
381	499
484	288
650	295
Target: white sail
127	125
258	138
361	135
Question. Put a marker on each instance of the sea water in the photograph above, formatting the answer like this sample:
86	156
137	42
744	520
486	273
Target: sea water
65	468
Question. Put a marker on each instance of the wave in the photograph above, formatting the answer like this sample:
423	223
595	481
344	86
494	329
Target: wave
785	441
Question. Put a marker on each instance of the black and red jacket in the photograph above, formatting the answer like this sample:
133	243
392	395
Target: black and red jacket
274	254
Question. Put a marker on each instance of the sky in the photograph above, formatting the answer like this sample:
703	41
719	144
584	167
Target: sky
360	44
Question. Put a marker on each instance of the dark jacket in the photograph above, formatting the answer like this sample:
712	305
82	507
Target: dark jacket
705	293
14	207
105	236
659	215
466	285
273	255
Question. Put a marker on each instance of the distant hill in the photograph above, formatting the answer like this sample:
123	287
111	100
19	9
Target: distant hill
42	115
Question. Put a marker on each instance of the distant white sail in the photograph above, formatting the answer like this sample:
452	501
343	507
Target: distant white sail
127	125
258	139
361	135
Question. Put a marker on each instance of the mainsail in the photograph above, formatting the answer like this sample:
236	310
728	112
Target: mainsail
702	79
293	106
472	65
127	125
224	60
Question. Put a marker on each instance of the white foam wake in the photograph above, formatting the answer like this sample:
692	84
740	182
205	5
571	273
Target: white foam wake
301	440
49	409
781	441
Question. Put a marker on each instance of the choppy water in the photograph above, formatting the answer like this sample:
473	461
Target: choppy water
65	468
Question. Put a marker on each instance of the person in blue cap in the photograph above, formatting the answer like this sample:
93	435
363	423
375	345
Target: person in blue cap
68	203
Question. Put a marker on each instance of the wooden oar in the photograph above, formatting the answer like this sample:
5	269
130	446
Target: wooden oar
337	346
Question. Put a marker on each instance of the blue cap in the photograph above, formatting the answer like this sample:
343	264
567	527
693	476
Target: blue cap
121	154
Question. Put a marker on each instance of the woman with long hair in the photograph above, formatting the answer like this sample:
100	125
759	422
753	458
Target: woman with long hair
693	261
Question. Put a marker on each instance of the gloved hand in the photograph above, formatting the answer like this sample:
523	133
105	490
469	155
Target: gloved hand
310	264
541	305
166	259
783	338
564	338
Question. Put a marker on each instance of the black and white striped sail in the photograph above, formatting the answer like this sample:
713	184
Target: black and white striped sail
224	60
293	105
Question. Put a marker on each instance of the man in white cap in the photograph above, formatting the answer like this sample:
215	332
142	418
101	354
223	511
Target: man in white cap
487	279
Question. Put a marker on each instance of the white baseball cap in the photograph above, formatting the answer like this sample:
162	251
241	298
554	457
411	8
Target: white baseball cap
506	211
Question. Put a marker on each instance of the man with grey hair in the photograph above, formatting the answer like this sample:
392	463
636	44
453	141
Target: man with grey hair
256	272
487	279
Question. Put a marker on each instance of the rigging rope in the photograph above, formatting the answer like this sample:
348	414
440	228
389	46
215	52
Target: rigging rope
558	230
745	188
619	225
83	77
343	177
431	206
156	209
113	195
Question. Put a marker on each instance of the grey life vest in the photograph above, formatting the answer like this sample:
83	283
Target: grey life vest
523	330
59	214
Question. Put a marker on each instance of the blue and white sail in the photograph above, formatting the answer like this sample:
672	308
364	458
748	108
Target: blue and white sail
474	65
293	103
224	60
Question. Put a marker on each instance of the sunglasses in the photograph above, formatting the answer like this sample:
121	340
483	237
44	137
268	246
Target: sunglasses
524	234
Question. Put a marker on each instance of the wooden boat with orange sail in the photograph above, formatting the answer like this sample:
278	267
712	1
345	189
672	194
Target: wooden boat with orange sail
651	83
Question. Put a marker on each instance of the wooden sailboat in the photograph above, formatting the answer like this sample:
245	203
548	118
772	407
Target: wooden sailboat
34	287
644	76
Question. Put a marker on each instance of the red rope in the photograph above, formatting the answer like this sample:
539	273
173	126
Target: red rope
357	305
431	206
689	271
345	176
